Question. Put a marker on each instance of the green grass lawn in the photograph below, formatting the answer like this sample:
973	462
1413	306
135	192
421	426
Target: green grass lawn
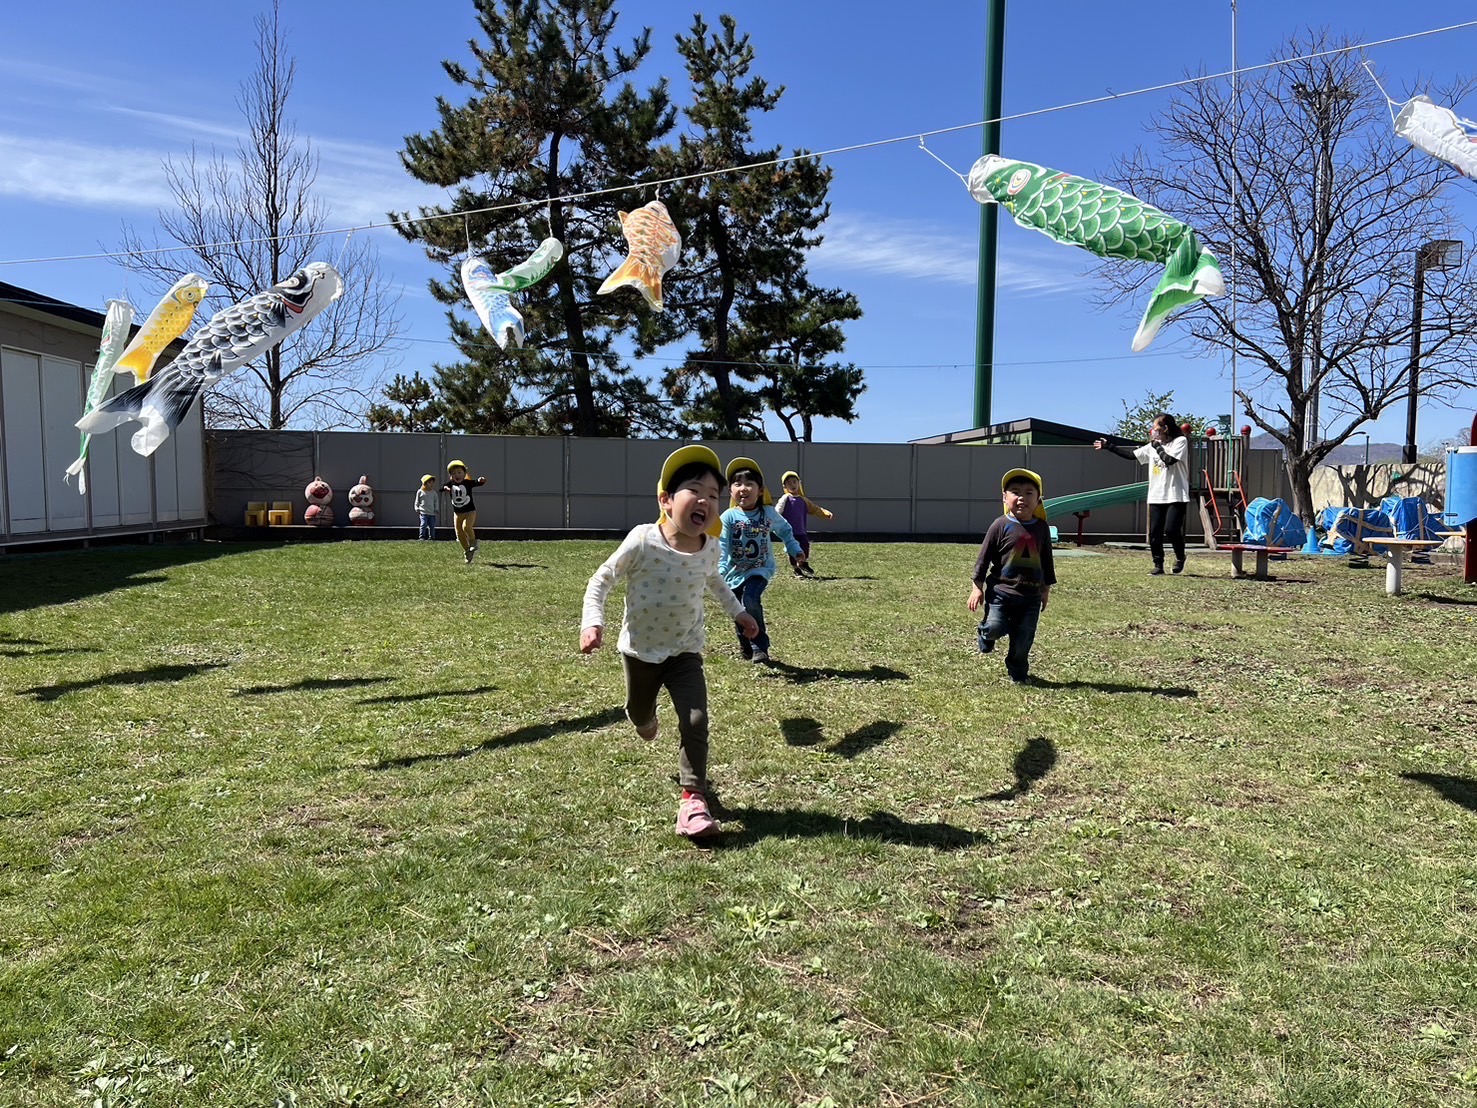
355	824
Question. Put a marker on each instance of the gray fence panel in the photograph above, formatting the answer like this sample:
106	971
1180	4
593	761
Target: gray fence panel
20	377
610	484
259	465
102	480
61	404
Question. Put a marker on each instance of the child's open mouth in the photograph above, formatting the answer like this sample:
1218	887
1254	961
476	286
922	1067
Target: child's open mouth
699	517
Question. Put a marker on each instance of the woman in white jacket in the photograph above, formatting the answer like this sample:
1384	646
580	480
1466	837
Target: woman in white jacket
1168	456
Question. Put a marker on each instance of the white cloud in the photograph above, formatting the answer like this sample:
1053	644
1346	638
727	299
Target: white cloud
89	175
922	251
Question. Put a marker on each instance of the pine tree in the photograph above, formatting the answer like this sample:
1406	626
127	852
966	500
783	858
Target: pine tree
549	112
744	254
414	408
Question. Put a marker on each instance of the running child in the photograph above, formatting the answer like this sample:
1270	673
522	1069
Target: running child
667	565
463	510
797	508
747	560
1013	574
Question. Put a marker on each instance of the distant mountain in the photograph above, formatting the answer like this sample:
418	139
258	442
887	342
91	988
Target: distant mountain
1351	453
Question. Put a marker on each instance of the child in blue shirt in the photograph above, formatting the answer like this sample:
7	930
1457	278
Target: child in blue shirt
746	559
1013	574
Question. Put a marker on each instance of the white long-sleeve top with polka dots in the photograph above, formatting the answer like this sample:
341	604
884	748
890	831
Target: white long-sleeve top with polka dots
664	594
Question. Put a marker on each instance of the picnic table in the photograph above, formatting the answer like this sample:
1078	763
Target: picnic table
1396	554
1261	551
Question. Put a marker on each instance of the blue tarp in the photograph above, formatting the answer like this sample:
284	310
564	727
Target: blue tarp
1411	518
1341	524
1273	523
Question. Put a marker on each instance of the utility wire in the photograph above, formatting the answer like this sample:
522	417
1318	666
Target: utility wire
916	136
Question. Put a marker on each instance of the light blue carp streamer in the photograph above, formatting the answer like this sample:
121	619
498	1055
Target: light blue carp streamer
493	304
116	325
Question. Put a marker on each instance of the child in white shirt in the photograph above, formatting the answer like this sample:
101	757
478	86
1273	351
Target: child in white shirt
667	566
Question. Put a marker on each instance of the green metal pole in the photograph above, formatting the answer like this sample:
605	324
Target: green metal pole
984	338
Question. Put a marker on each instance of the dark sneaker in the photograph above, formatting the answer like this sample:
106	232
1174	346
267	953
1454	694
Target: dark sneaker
1179	566
467	554
761	657
1157	571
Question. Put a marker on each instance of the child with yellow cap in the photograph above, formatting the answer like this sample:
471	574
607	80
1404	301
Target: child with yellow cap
667	566
459	484
426	498
1013	574
747	561
797	509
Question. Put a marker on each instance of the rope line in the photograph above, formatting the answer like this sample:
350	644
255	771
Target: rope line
805	156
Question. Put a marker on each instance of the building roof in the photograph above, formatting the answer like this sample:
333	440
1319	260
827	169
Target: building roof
1021	427
29	303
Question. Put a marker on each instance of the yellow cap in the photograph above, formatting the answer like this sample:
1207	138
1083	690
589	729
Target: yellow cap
746	463
1035	479
451	465
742	463
680	457
427	477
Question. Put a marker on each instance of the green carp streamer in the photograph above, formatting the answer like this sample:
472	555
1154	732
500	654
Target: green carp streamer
1110	223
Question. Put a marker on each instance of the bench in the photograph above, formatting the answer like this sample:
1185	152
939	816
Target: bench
1262	552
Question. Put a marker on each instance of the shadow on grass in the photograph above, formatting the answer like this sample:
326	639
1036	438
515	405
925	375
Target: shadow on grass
12	641
512	565
800	823
1458	790
532	734
1434	599
838	577
51	650
128	677
804	675
437	694
1033	762
60	577
1179	692
804	731
312	684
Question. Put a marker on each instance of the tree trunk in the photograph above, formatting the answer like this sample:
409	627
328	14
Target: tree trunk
1299	474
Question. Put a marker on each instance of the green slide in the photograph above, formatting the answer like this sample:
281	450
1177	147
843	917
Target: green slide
1058	506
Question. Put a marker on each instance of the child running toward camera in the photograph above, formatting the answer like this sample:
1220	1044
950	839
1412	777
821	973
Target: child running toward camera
797	510
667	565
463	510
747	560
1013	574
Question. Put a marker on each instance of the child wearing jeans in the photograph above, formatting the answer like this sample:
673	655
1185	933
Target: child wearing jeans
747	561
425	506
667	565
1013	574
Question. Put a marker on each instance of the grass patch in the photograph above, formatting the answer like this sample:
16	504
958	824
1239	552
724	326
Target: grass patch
354	824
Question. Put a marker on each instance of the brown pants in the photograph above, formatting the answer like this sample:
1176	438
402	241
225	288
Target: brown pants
682	676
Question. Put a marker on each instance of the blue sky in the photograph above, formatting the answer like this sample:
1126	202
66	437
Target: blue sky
91	104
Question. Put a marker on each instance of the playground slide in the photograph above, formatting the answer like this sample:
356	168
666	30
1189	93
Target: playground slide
1057	506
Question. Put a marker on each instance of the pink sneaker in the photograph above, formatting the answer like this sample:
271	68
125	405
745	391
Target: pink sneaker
693	818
